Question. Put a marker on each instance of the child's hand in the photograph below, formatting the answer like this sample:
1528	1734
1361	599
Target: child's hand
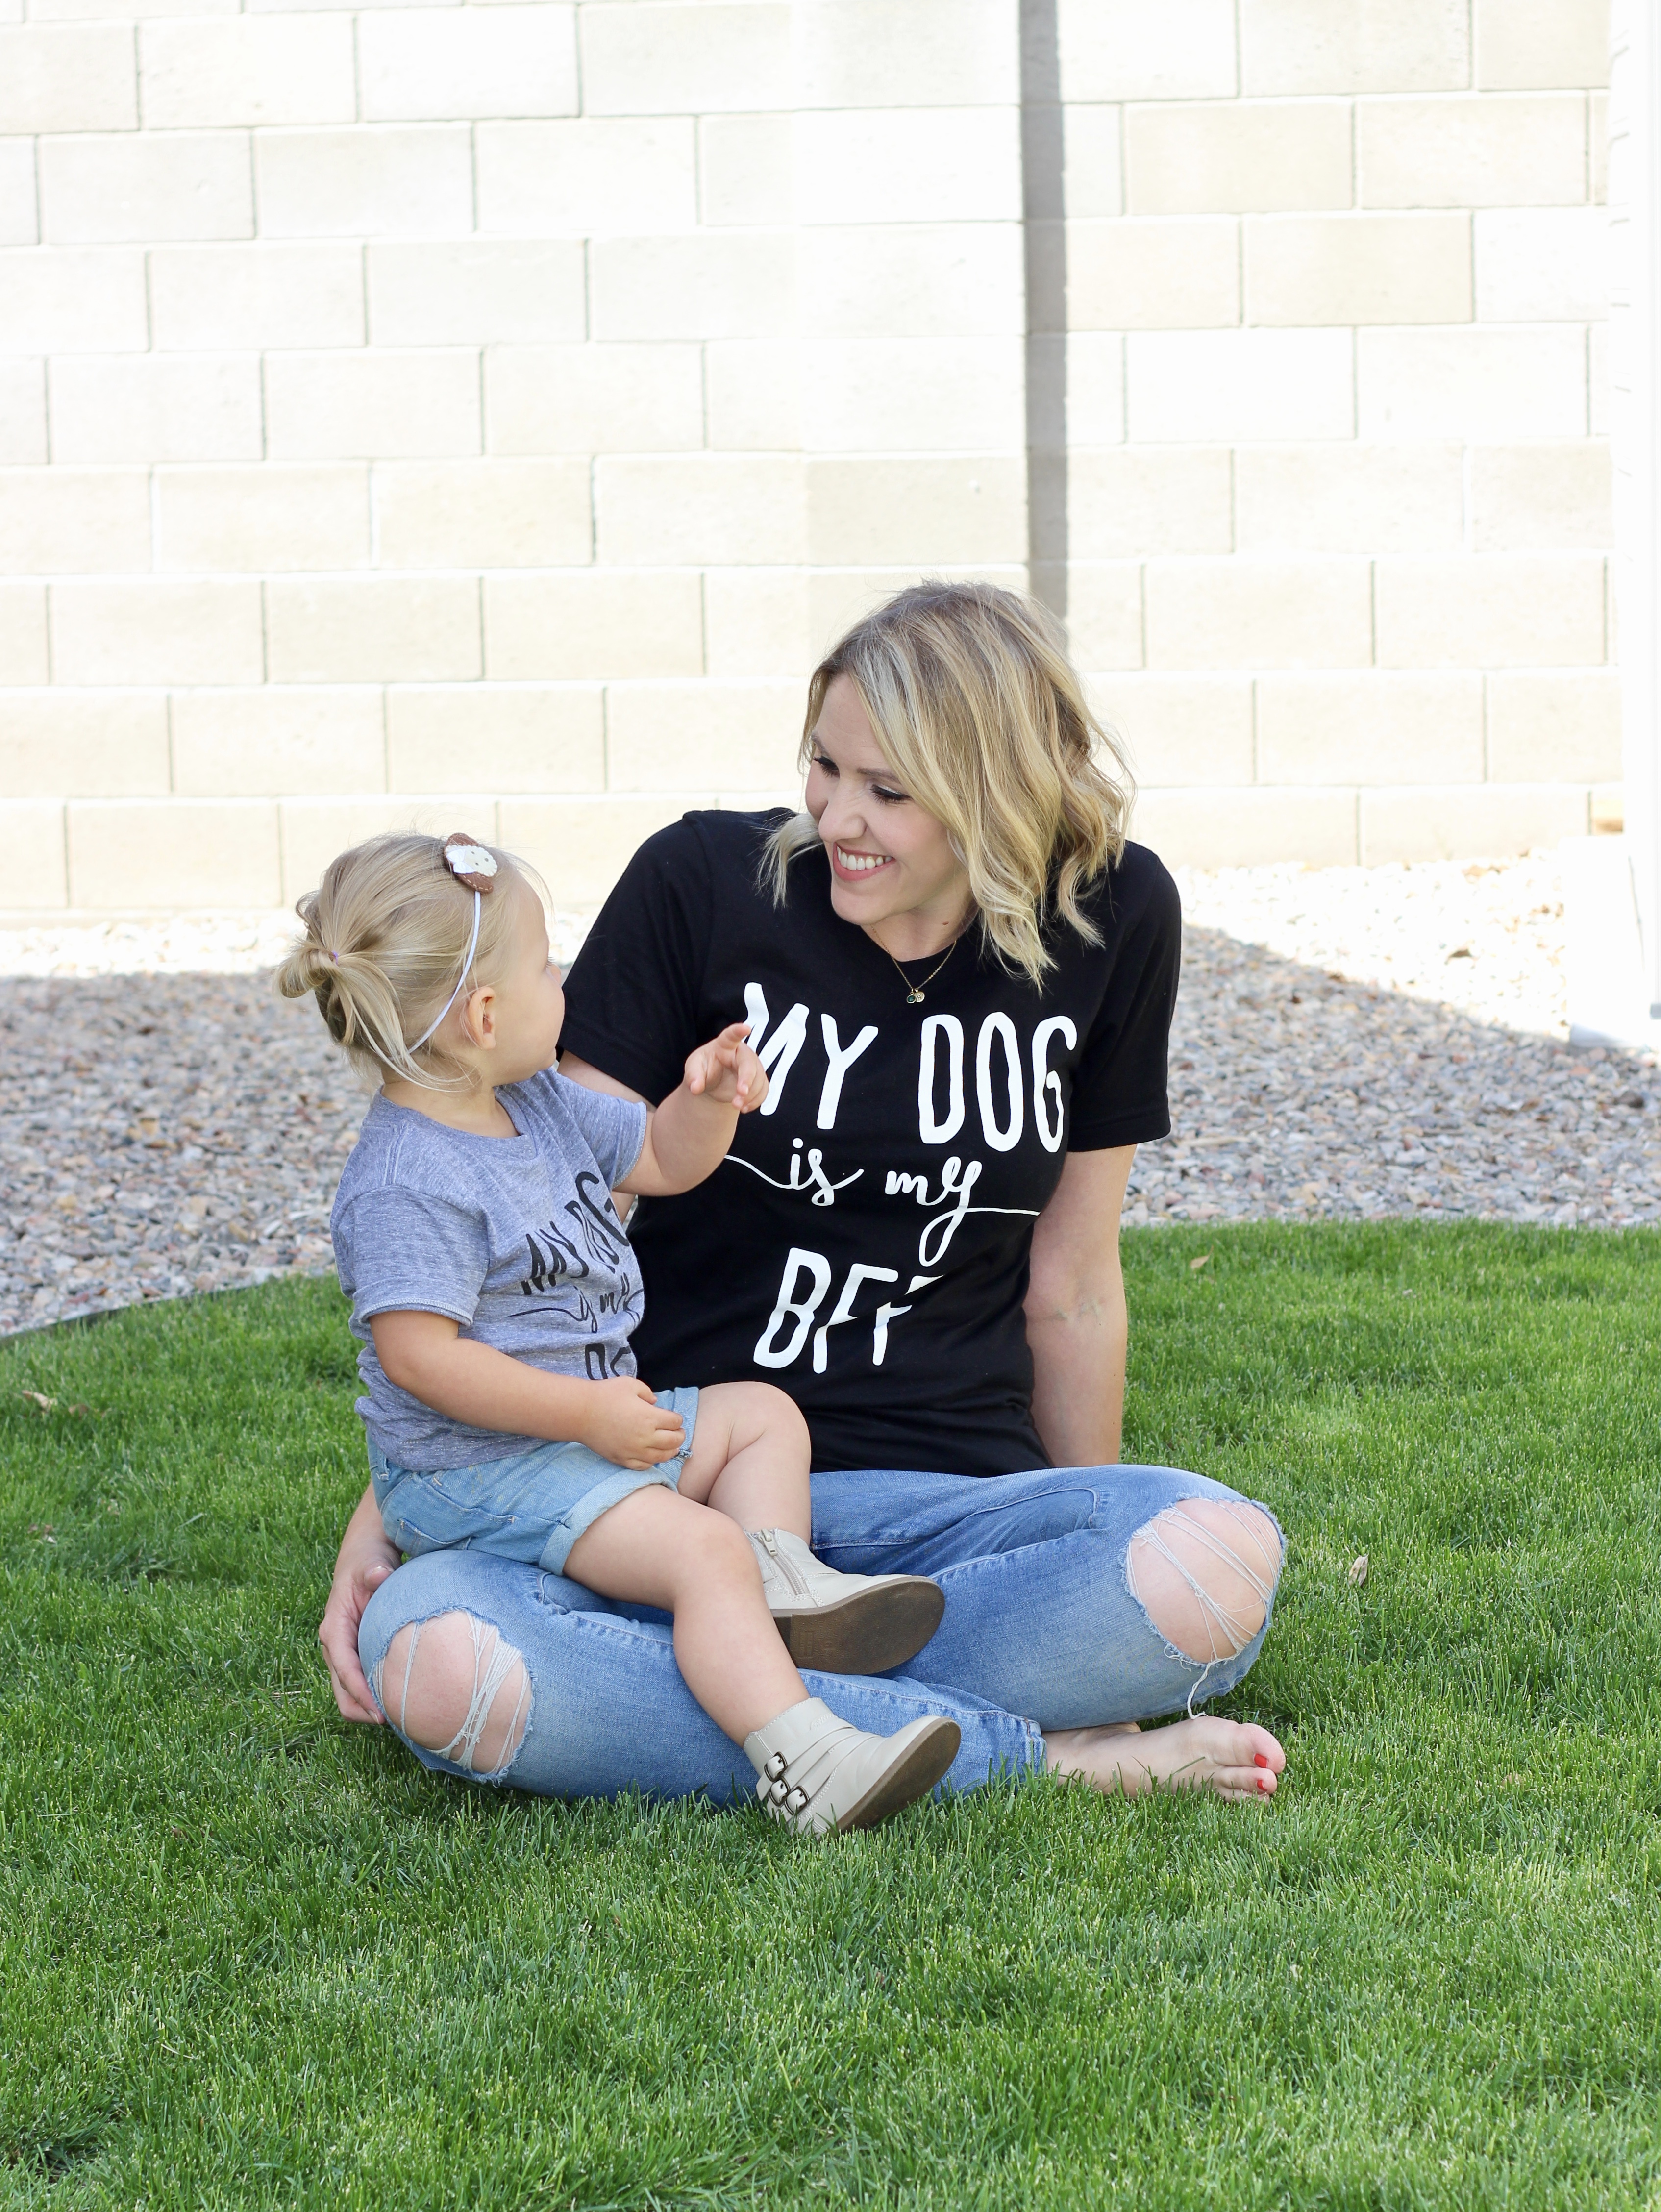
727	1071
627	1425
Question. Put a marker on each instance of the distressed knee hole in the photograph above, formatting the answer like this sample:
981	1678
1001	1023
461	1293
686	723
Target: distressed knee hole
1204	1571
453	1686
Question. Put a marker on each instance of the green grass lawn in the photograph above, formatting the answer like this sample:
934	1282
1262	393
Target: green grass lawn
249	1956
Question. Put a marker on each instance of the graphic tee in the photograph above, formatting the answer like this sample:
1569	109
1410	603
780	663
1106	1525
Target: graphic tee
513	1237
865	1245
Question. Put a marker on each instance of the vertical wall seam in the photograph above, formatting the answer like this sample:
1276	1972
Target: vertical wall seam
1044	233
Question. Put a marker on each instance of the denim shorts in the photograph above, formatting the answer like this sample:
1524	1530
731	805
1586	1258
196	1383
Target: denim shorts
530	1506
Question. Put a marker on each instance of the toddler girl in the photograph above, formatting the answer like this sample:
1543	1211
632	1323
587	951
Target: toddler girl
493	1292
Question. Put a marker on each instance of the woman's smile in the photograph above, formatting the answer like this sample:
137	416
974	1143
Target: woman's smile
854	867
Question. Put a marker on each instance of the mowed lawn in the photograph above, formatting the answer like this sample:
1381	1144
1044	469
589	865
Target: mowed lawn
249	1956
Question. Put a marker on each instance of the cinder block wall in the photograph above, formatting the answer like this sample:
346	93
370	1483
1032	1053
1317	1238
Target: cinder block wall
484	415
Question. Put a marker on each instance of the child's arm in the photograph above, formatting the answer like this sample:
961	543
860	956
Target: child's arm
688	1135
424	1354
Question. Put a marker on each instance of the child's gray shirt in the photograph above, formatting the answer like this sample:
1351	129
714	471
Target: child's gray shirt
513	1237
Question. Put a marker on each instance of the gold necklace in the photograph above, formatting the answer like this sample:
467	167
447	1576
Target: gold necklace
915	993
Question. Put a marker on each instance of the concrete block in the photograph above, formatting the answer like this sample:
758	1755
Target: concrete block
23	412
23	655
1412	729
1260	613
589	399
399	181
327	406
1490	610
1349	499
1547	496
867	53
1090	176
1179	729
1104	620
735	737
168	853
709	284
32	832
585	624
1481	382
694	507
1244	827
1521	44
754	394
1476	821
757	622
475	291
1154	273
73	300
1542	264
206	72
69	11
420	64
747	169
20	219
909	165
262	518
496	737
1123	504
372	630
1471	152
1075	390
597	176
79	76
581	846
948	393
259	745
145	188
231	298
867	513
150	632
155	407
640	58
1124	49
74	521
1185	385
1548	727
1366	45
1597	147
315	831
1312	269
483	515
914	280
68	745
1237	156
1597	379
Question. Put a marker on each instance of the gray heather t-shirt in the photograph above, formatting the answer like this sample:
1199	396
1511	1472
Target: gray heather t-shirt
513	1237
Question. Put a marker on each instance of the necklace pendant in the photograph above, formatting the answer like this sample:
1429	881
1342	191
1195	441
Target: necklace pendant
914	998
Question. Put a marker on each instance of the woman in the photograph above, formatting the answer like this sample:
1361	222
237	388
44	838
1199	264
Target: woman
960	978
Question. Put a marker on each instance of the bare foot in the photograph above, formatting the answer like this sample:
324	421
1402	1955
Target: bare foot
1238	1762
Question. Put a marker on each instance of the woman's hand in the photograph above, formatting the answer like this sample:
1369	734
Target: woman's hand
726	1072
628	1426
366	1560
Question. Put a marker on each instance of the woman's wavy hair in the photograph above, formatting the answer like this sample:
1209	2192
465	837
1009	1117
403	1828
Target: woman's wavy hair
983	718
386	933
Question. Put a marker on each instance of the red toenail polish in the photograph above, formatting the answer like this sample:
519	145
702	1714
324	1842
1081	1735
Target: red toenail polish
1263	1781
1261	1759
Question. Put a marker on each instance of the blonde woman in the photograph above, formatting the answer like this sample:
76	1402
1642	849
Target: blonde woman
959	977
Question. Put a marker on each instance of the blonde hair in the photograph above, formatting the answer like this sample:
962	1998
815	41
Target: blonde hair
386	935
982	716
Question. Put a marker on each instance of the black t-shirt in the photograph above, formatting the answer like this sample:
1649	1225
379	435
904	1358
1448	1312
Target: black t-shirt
864	1244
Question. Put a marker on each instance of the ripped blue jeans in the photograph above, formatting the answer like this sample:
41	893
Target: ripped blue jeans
1043	1629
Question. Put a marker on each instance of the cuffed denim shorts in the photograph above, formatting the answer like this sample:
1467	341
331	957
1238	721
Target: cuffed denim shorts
530	1506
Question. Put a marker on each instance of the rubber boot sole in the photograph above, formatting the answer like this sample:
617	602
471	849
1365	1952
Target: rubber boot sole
924	1762
866	1634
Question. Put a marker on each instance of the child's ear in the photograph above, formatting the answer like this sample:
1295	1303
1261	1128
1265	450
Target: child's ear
479	1017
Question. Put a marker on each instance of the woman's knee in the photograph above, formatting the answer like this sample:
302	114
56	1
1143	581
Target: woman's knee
454	1685
1204	1571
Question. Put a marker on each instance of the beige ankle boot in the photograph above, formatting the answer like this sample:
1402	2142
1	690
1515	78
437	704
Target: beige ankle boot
818	1773
842	1624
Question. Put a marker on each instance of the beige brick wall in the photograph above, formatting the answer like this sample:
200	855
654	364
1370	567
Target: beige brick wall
485	414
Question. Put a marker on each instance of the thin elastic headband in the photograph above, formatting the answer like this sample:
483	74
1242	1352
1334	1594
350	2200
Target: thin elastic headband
472	947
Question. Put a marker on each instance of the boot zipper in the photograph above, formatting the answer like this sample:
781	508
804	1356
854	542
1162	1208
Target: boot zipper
786	1566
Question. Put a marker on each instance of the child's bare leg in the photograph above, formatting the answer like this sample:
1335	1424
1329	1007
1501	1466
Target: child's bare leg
750	1458
660	1548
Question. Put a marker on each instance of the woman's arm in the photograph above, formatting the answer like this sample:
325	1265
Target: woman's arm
1076	1322
366	1560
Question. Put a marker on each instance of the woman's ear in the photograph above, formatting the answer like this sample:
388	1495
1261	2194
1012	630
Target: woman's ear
479	1017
